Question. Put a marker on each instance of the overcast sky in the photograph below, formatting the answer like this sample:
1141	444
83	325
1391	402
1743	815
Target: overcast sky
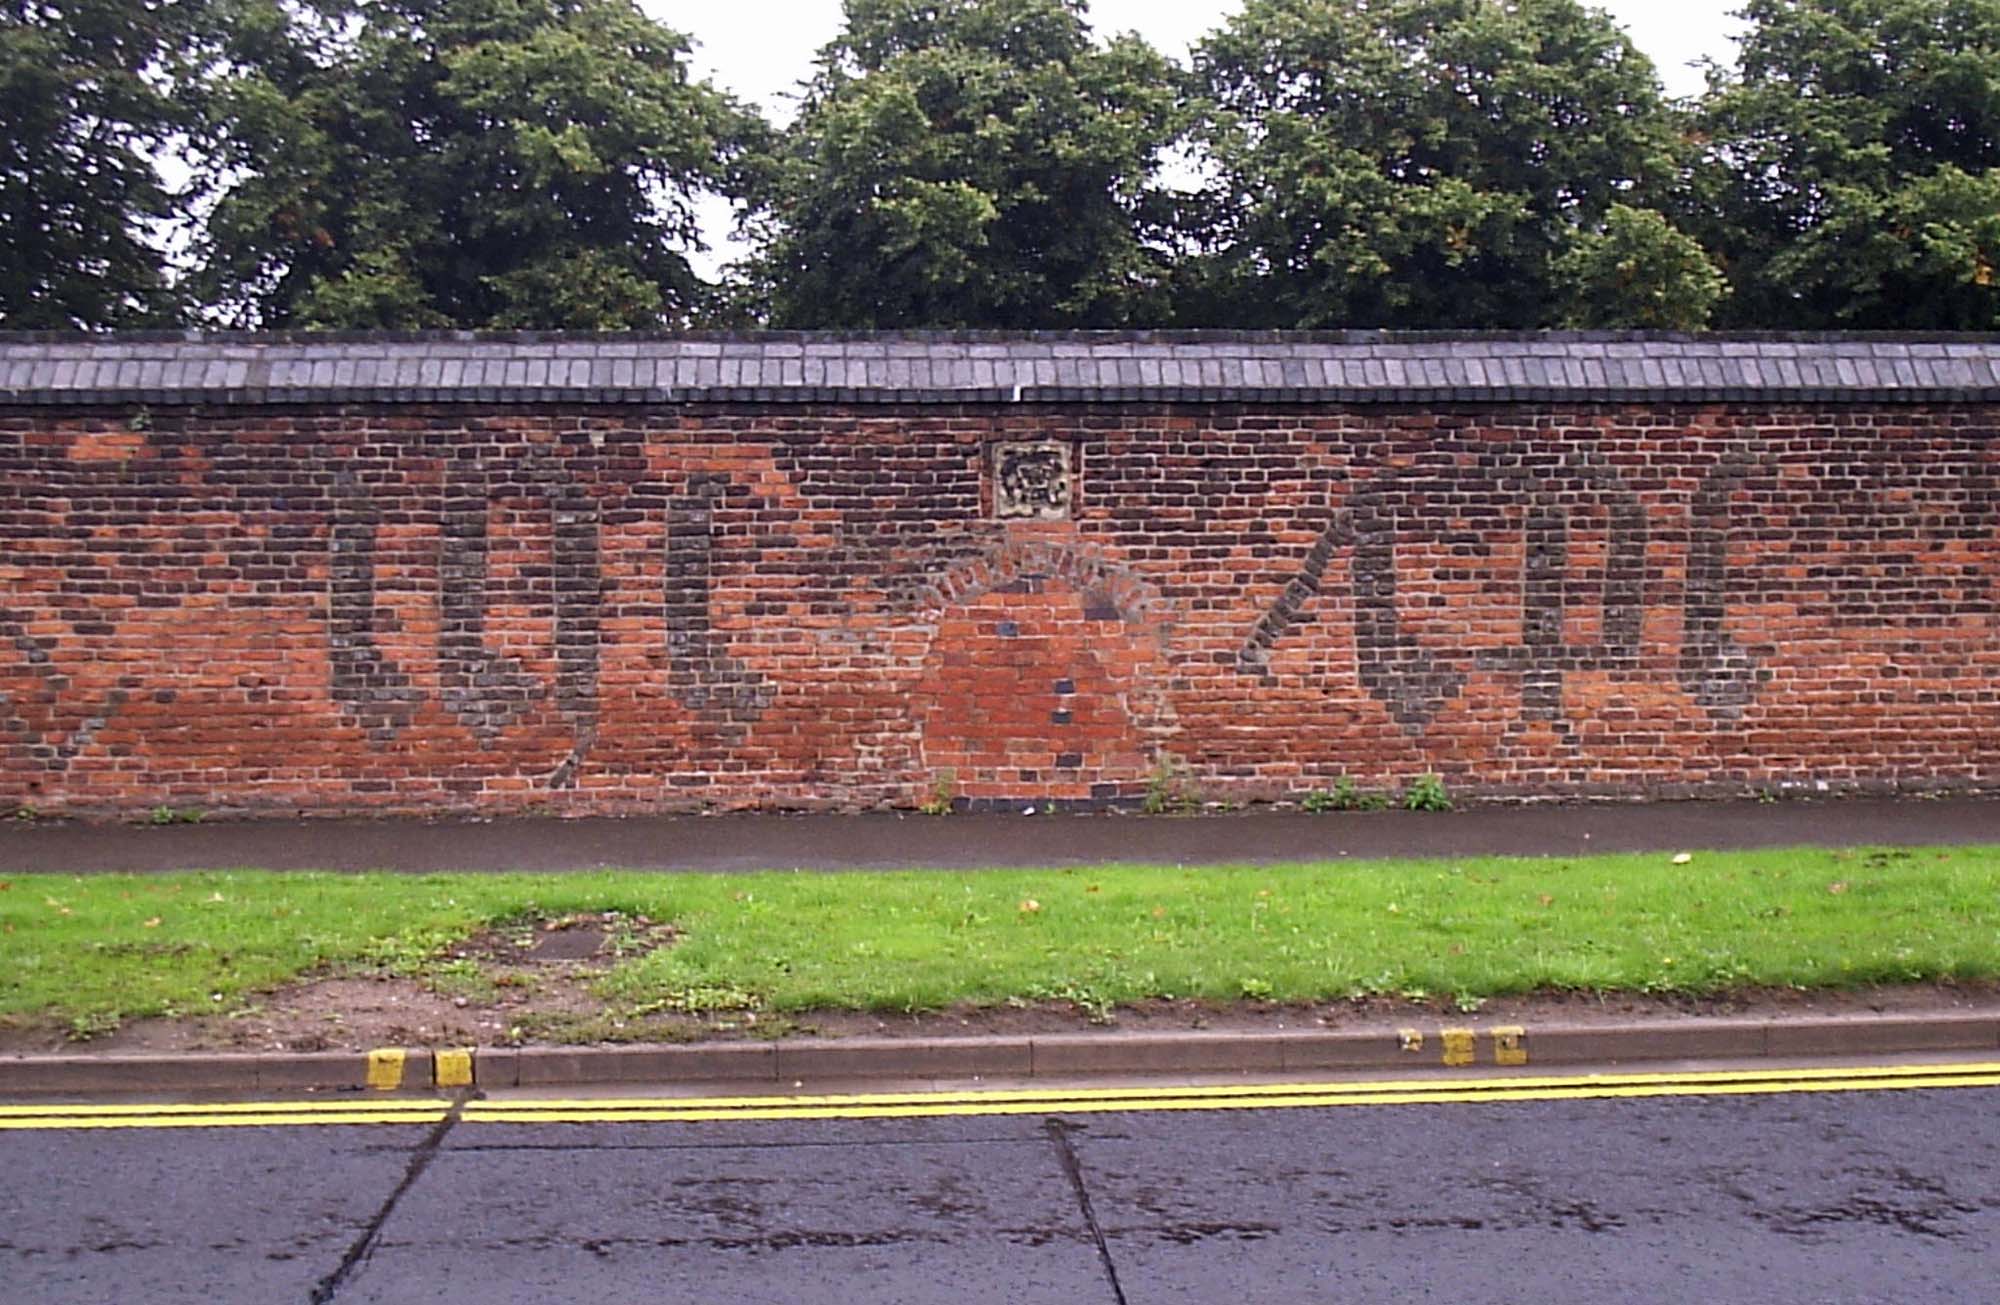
761	49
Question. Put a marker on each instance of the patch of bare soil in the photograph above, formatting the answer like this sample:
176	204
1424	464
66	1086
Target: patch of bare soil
501	987
536	990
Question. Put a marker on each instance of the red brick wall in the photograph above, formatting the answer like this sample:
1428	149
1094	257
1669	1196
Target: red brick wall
609	609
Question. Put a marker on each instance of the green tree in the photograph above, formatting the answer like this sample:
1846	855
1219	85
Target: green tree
1435	163
469	163
84	103
1636	270
1854	164
968	163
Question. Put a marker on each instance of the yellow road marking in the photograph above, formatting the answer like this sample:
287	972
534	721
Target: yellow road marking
1129	1093
1148	1105
353	1105
273	1119
1510	1045
385	1068
912	1105
453	1069
1459	1046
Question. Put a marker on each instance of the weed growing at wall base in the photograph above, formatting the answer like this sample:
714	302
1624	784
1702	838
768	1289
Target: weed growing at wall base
1344	796
1167	789
1426	793
943	790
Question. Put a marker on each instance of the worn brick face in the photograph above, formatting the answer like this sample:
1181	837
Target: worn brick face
614	609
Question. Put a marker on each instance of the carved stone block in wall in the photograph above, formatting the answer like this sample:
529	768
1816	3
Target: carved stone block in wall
1032	480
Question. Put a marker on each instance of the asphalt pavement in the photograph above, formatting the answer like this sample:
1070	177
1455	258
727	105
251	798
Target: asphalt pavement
886	841
1764	1200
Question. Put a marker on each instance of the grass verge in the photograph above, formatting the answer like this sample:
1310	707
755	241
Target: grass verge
89	951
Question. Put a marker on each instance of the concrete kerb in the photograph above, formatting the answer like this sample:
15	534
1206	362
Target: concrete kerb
386	1069
784	1066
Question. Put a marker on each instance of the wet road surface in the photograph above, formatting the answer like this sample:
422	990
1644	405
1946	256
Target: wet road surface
1840	1197
892	841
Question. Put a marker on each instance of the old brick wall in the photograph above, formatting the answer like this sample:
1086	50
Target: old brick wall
620	608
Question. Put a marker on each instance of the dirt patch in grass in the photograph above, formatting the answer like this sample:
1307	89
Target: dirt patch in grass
530	980
590	939
559	1008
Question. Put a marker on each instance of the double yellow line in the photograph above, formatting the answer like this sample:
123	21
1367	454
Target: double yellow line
1070	1101
252	1114
1049	1101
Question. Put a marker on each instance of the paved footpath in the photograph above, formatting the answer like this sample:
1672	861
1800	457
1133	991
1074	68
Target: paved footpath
886	841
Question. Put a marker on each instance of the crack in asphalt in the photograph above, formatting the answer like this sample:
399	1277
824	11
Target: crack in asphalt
1058	1131
1934	1221
364	1246
807	1238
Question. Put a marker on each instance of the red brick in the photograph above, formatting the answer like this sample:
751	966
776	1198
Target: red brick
420	609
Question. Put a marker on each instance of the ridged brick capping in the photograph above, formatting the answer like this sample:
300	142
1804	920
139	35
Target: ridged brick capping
1194	367
507	574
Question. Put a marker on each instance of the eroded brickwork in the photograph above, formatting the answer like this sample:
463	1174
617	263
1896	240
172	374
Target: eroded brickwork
615	608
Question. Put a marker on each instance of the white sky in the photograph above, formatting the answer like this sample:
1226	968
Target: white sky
761	49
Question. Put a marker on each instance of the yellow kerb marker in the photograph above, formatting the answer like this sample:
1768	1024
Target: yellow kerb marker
385	1068
454	1067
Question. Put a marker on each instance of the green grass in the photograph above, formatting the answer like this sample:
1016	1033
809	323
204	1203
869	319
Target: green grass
88	951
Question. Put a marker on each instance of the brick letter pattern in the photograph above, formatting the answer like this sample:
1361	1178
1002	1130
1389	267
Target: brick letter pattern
579	608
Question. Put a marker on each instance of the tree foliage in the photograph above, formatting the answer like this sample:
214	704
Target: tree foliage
968	162
992	163
83	105
1855	164
1407	163
471	163
1635	271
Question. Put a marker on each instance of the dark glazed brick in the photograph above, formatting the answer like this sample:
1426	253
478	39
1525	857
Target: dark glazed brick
431	607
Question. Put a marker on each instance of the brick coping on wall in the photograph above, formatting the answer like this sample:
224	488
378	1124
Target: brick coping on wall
1251	368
